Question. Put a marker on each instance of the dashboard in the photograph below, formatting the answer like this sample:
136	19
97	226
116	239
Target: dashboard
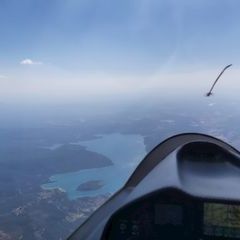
172	214
187	187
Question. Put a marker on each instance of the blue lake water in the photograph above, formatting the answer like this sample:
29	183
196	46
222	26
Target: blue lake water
124	150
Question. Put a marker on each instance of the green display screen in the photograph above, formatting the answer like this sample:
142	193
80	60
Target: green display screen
221	220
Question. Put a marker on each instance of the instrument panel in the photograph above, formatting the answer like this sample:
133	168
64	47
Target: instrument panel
171	214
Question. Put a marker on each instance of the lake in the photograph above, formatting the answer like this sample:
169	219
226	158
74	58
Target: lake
124	150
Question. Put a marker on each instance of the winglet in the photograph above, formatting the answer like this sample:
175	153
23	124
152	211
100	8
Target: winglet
228	66
210	92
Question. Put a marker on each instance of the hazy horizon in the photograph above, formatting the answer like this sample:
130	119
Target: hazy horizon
76	51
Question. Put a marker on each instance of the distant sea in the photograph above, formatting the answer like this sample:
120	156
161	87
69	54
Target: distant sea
124	150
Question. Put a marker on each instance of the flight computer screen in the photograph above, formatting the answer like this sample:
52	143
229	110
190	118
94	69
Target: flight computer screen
221	220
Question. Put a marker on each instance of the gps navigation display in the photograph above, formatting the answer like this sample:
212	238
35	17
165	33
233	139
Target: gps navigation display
221	220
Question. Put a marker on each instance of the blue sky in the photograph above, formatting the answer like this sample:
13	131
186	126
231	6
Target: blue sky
62	44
